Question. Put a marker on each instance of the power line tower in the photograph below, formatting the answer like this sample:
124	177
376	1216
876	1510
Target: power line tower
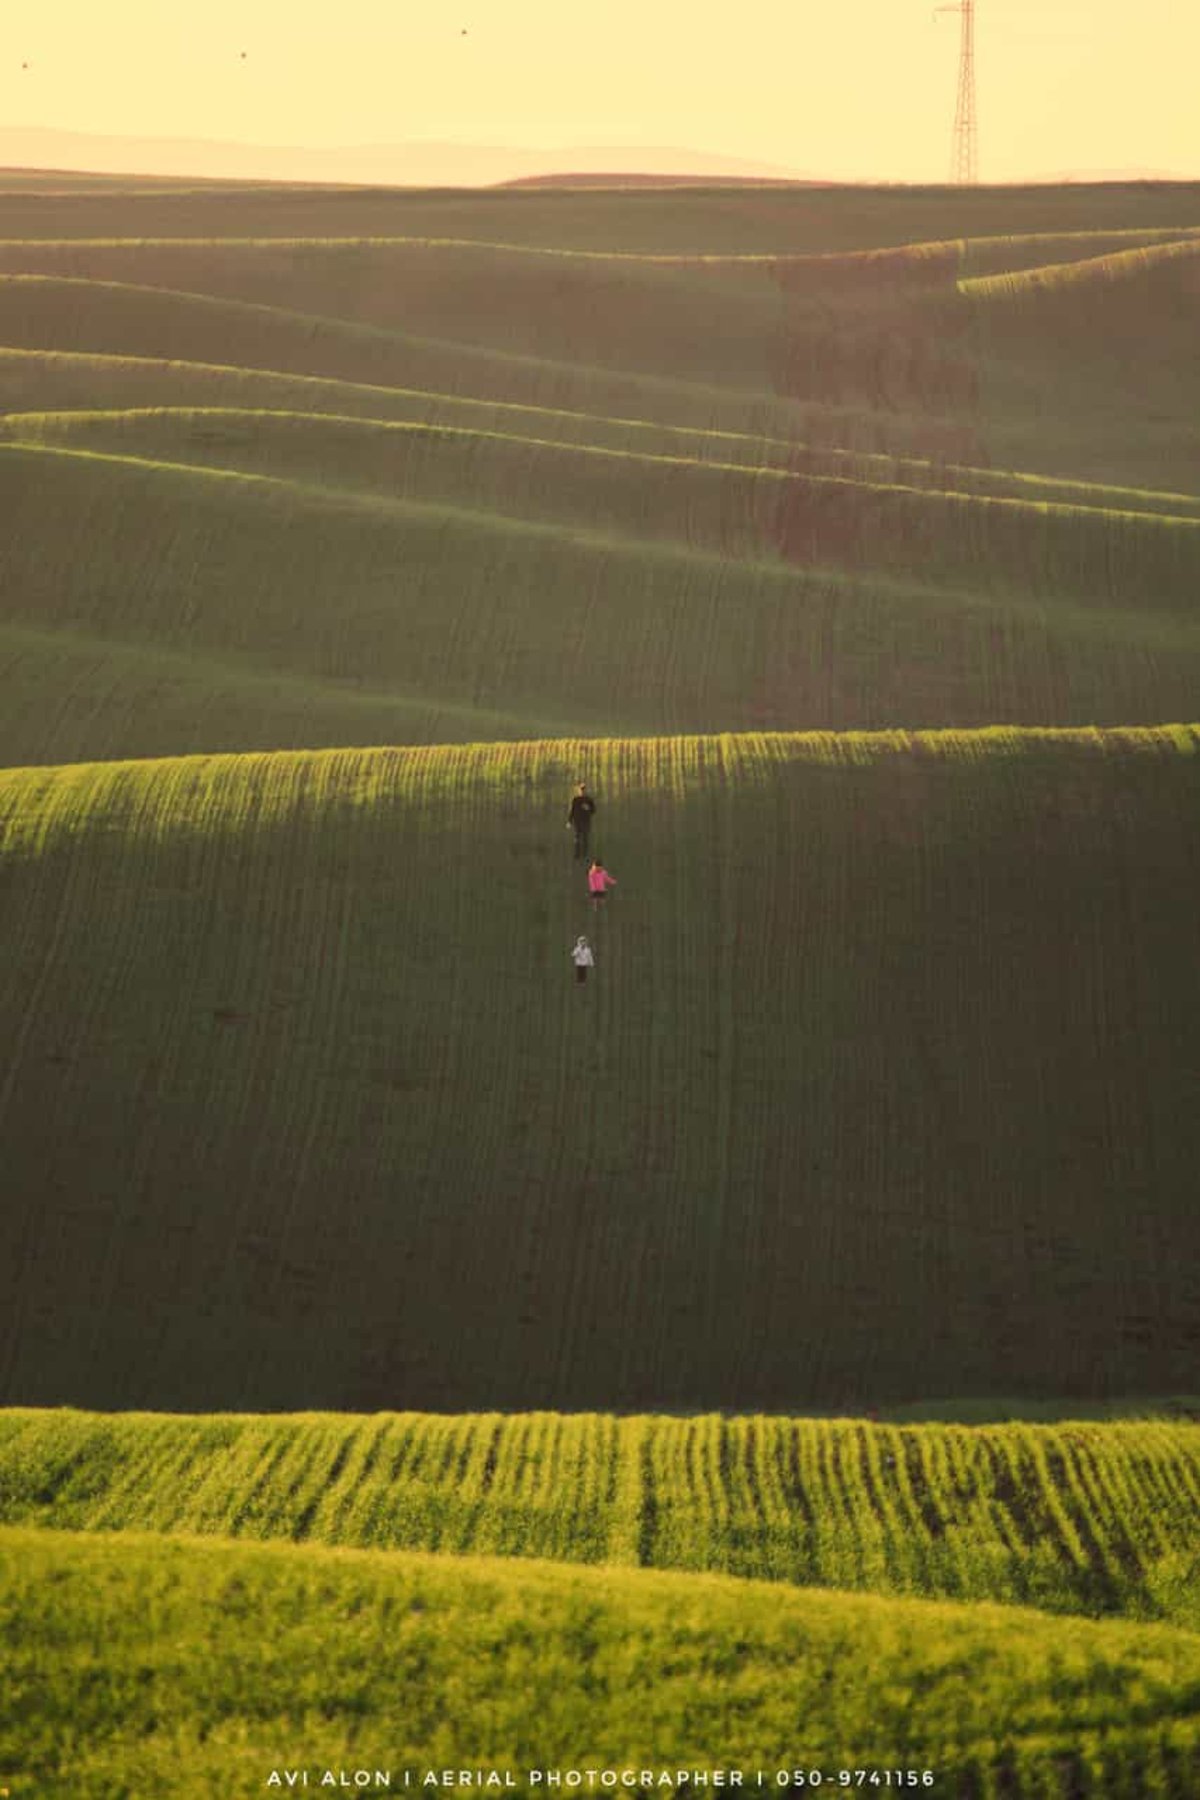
964	154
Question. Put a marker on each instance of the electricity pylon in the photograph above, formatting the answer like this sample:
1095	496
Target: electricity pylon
964	154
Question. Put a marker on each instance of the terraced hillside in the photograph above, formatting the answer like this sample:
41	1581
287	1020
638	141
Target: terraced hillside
416	467
883	1088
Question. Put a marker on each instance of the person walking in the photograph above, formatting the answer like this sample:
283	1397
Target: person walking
579	819
583	959
599	882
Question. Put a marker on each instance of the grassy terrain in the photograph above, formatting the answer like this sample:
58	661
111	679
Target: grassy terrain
746	221
1091	1518
883	1087
582	590
134	1664
619	463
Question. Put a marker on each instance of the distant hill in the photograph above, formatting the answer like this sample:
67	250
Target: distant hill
415	164
1078	176
437	163
617	178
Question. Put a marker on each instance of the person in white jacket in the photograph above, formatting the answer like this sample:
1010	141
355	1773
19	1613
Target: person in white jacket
583	959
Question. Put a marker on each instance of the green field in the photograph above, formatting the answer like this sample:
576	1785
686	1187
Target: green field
824	1273
883	1090
394	1661
618	463
1085	1517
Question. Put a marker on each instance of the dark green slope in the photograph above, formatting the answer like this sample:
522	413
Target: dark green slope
862	482
1092	366
884	1086
406	584
910	1043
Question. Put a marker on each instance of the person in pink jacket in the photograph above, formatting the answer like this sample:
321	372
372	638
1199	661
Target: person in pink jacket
599	882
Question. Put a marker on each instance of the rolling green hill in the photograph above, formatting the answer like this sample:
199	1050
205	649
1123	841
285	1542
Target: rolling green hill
848	544
352	581
626	462
883	1087
153	1663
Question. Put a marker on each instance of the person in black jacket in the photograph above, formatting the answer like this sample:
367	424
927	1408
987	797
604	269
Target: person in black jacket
579	819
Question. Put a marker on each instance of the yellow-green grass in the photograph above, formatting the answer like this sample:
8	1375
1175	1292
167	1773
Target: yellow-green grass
982	256
1090	1517
160	1668
1094	276
882	1088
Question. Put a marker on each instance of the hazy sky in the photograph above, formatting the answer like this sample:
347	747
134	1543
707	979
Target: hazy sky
854	88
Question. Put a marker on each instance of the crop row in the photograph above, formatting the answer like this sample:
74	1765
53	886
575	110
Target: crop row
209	793
1081	1518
